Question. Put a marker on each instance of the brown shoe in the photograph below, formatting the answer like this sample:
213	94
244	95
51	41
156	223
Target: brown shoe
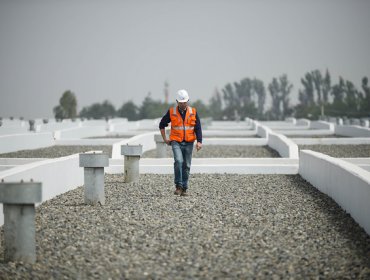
178	191
184	193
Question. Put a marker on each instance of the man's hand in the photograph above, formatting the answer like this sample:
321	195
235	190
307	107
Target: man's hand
198	146
168	142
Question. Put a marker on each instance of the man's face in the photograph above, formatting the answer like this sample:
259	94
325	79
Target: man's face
182	105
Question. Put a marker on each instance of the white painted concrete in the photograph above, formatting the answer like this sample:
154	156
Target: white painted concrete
236	141
284	146
331	141
145	139
306	132
213	165
51	173
364	163
262	131
346	183
16	142
81	132
87	142
322	125
225	133
303	122
352	131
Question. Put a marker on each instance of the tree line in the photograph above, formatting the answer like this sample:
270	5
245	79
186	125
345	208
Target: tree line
317	97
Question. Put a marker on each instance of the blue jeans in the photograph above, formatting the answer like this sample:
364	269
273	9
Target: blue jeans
182	153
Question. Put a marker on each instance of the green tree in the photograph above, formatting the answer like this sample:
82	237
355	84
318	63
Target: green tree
215	106
99	111
67	107
238	100
273	88
151	109
365	105
260	91
285	89
129	110
201	108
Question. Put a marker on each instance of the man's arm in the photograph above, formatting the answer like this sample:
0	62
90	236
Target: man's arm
198	132
164	123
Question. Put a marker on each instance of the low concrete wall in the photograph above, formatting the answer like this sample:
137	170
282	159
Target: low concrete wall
8	130
321	125
346	183
81	132
145	139
118	125
303	122
263	131
284	146
16	142
332	141
235	141
51	173
352	131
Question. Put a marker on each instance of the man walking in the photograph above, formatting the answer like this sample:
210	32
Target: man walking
185	129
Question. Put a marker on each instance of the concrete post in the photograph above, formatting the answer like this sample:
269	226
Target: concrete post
339	121
94	164
161	146
365	122
19	219
32	125
132	155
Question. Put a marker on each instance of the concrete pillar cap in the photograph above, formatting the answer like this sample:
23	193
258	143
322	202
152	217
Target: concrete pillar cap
20	193
94	159
131	150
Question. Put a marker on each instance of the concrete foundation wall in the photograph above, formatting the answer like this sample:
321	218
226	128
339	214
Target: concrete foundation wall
303	122
8	130
81	132
284	146
321	125
51	173
16	142
145	139
346	183
262	131
352	131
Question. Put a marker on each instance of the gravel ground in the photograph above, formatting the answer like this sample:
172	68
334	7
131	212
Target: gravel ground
225	151
231	226
340	151
56	151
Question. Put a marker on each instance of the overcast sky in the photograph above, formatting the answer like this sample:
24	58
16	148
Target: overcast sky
121	50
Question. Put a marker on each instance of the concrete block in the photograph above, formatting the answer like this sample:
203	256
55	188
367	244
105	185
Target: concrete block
19	220
94	160
94	185
20	193
132	150
131	168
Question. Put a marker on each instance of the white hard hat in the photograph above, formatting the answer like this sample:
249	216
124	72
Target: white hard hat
182	96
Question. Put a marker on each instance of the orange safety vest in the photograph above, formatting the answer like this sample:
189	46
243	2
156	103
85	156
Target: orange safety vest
182	129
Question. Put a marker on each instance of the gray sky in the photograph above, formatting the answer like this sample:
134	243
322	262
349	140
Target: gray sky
121	50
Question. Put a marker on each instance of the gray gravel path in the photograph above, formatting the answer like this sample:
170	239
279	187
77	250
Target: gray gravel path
231	226
340	151
216	151
56	151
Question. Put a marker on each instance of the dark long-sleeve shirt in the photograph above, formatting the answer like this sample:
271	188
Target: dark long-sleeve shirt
166	119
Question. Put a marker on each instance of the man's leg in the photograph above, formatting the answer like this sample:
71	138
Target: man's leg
178	162
187	151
